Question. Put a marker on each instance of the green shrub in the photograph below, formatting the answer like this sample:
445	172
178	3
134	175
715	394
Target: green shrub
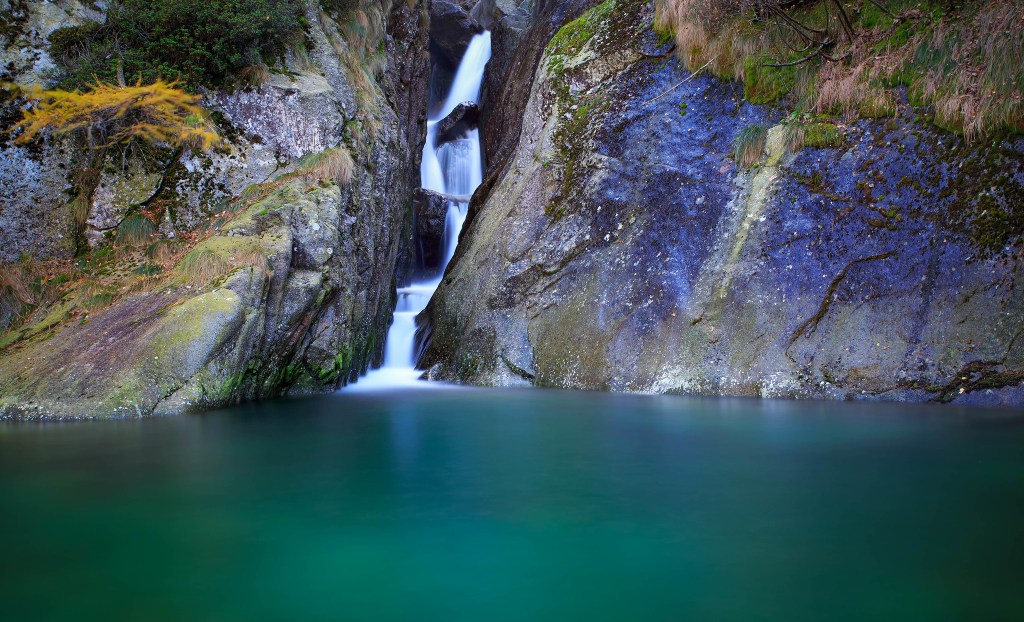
198	42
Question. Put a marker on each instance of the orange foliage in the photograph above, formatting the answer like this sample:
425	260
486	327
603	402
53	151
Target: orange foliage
158	112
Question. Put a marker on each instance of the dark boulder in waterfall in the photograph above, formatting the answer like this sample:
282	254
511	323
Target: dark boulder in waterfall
463	118
431	209
451	30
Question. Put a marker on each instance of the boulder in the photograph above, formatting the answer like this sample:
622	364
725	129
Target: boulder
451	30
488	12
463	118
120	189
431	210
294	115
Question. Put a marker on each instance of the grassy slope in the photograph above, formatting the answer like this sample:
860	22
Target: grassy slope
959	63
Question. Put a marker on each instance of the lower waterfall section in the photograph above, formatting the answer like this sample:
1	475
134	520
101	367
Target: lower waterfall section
453	169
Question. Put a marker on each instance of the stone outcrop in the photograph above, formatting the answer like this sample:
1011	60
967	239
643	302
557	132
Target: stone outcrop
24	27
34	192
517	44
487	13
293	115
431	210
304	294
451	29
462	119
620	247
35	183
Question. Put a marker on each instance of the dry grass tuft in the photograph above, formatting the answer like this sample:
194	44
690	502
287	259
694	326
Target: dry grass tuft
15	292
253	76
136	230
329	165
162	252
202	266
749	145
358	38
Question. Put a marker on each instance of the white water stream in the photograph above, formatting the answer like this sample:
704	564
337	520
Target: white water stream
455	169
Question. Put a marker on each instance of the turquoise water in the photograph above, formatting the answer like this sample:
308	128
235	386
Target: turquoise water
530	505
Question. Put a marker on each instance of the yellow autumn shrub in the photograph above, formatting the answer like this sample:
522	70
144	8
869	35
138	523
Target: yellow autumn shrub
159	113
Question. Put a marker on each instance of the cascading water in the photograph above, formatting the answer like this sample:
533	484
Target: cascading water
455	169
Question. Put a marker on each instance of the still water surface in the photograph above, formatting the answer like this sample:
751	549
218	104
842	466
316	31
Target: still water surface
484	505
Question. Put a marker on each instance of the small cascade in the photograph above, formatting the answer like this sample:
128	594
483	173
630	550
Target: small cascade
454	169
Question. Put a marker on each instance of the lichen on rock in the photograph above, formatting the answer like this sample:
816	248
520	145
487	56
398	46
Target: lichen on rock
620	247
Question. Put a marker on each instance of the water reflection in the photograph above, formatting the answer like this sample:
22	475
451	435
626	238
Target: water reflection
518	505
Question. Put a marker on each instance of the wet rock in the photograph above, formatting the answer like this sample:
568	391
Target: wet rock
618	247
431	210
462	119
451	29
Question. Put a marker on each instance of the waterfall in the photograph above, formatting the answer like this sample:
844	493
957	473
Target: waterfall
455	169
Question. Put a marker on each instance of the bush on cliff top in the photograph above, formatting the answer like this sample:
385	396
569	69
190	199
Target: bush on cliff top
196	42
961	59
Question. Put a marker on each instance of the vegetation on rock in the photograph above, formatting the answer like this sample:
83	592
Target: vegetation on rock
110	115
196	42
750	144
959	60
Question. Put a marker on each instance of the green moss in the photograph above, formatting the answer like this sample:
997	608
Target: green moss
570	139
820	135
764	84
574	36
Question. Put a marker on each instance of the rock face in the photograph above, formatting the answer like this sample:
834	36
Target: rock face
621	248
188	347
304	281
293	115
34	191
451	29
35	184
488	12
517	44
24	27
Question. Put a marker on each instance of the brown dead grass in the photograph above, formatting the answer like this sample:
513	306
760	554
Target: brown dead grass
964	65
